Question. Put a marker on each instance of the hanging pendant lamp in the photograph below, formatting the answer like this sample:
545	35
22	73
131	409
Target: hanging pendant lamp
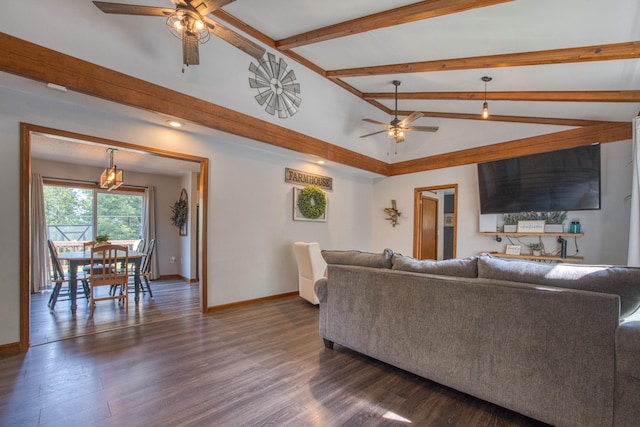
112	177
485	106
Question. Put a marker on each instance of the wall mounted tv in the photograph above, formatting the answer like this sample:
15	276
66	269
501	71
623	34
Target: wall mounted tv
563	180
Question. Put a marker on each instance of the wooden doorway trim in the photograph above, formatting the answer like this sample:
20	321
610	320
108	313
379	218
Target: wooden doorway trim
26	130
417	216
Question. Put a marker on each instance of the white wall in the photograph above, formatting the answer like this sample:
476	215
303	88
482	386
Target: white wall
251	230
167	192
606	230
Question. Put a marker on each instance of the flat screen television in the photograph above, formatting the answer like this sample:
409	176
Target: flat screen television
563	180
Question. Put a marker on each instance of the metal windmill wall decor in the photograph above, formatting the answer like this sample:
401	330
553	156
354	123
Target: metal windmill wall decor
276	86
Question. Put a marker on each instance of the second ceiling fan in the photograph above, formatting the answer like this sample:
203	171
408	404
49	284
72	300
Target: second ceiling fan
396	128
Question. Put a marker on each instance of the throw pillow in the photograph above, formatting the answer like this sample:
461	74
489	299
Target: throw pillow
363	259
464	267
621	281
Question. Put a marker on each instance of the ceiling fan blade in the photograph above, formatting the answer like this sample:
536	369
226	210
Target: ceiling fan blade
205	7
377	122
242	43
423	128
132	9
413	116
373	133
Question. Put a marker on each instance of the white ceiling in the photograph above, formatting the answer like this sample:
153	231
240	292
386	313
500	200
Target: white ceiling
142	47
519	26
69	151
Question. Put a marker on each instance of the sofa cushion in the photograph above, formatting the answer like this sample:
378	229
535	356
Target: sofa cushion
362	259
465	267
621	281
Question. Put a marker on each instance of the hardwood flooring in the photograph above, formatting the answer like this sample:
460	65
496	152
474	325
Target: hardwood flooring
172	298
256	365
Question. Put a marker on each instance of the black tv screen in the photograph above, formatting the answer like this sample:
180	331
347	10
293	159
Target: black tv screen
563	180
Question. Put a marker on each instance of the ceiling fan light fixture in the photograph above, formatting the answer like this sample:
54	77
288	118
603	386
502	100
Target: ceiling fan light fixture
183	22
485	106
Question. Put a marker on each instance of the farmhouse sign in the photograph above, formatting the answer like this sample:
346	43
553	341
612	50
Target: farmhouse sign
294	176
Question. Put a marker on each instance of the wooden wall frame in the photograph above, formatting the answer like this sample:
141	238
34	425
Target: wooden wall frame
417	217
25	208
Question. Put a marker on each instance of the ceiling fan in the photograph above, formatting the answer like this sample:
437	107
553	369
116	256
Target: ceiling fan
396	129
189	22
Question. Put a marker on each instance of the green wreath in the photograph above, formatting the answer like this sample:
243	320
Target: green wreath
312	202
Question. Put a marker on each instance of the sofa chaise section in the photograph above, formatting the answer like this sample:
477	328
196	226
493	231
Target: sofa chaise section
543	351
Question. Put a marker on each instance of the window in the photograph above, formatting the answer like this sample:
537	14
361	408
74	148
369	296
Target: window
75	213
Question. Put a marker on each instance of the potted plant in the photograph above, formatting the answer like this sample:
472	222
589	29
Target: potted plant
510	223
101	239
536	248
554	222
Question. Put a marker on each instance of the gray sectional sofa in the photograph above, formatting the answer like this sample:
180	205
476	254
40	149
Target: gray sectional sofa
558	343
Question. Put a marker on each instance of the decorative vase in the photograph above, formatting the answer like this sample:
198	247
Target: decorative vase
537	252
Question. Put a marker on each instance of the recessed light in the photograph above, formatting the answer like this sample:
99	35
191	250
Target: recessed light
56	87
174	123
321	162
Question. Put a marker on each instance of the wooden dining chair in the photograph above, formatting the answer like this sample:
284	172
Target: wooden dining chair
105	271
140	247
58	278
145	270
145	267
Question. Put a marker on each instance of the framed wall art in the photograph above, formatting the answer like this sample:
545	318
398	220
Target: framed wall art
310	204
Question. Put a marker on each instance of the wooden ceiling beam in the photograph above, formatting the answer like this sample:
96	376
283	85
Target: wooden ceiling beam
601	133
38	63
388	18
549	96
513	119
605	52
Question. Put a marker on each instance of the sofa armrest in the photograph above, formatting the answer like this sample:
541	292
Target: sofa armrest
320	288
627	388
628	349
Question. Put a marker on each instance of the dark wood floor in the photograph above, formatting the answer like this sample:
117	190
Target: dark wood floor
172	298
257	365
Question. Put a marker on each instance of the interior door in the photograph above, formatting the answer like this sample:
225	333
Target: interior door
429	241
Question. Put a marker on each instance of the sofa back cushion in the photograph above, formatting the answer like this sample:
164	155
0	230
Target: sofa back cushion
621	281
465	267
362	259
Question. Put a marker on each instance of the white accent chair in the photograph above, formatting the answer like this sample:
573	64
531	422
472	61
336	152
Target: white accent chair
311	267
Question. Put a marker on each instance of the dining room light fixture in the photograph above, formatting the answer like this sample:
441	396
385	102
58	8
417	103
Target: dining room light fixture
485	106
112	177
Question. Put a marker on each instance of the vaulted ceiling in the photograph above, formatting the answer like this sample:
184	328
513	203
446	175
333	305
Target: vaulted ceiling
563	73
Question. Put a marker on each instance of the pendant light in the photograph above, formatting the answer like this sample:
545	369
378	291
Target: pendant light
112	177
485	106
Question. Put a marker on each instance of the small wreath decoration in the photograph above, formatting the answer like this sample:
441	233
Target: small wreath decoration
179	210
312	202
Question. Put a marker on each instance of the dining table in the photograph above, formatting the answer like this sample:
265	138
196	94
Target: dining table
81	258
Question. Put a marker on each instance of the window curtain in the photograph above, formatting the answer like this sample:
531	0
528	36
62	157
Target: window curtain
634	225
39	265
149	227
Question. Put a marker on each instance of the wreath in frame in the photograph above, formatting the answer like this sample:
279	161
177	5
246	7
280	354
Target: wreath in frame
312	202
